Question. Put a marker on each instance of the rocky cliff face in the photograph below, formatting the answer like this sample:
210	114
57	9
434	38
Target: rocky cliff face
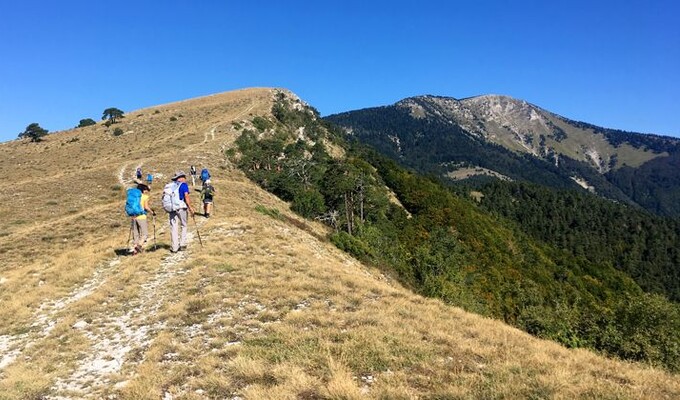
523	127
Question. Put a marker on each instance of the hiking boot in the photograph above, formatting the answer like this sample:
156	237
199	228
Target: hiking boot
207	215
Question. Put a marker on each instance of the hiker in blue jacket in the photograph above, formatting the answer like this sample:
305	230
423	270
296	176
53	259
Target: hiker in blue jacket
180	218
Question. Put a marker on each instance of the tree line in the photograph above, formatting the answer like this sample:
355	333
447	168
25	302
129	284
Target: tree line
35	133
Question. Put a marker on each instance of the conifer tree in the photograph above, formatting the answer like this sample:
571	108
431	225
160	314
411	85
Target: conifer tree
34	132
112	114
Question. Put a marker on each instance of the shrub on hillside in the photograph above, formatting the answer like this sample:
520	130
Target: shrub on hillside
308	203
86	122
262	124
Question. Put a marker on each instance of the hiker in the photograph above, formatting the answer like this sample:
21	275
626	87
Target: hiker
149	179
207	193
205	175
192	169
139	224
139	173
177	203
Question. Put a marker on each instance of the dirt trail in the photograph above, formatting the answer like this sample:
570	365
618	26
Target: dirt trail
113	337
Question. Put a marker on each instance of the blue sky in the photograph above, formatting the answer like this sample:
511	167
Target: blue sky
610	63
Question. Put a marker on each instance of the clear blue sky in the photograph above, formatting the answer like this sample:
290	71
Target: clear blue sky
610	63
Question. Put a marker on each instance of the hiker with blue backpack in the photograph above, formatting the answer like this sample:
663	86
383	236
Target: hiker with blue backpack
177	203
205	175
137	207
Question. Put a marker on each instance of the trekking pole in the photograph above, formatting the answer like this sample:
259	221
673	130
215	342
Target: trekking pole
197	232
153	217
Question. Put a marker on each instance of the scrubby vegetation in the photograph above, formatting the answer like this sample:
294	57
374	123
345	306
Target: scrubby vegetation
86	122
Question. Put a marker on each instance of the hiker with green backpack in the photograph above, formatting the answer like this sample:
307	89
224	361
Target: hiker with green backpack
137	207
207	193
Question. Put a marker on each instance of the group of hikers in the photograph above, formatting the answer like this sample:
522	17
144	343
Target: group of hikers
176	201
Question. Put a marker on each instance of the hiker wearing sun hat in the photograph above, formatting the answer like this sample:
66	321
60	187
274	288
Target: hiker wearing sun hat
177	203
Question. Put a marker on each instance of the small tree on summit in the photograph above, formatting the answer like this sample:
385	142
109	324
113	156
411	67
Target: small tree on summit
33	132
112	114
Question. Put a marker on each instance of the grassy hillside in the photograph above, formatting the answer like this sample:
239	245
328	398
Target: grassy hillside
268	308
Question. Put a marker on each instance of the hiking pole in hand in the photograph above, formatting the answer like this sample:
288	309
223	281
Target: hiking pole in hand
153	216
197	232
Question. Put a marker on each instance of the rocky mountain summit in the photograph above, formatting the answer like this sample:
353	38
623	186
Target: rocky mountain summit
523	127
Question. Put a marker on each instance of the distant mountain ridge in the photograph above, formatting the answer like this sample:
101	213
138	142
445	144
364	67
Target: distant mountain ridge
506	137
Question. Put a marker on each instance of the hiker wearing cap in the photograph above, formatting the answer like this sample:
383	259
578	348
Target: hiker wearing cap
207	193
140	226
179	213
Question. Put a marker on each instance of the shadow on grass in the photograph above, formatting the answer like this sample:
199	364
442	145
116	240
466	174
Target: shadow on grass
151	249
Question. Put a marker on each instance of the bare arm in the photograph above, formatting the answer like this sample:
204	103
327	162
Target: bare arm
187	200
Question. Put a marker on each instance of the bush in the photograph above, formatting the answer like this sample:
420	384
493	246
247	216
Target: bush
86	122
308	203
261	124
117	132
346	242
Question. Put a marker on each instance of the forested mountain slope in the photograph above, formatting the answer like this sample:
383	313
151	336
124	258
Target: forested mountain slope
512	139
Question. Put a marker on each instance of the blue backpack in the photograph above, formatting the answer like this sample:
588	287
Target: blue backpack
133	203
205	175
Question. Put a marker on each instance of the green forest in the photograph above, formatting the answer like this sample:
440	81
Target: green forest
639	243
475	256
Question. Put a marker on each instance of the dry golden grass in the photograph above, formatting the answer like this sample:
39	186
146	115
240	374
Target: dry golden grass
267	309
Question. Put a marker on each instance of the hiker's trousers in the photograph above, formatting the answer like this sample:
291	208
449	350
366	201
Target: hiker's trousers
178	219
140	232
